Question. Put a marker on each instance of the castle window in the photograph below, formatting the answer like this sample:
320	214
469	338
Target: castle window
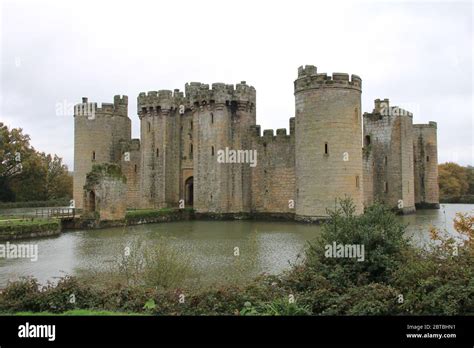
191	125
93	155
135	168
149	127
357	181
190	149
212	150
367	140
326	149
385	160
427	158
157	152
385	187
212	117
356	114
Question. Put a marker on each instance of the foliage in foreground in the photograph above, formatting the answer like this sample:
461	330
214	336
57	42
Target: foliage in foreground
394	279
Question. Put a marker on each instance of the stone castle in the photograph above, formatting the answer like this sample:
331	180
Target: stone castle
331	151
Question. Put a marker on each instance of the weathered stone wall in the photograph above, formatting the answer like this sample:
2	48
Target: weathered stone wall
160	148
130	164
328	142
97	136
425	148
105	193
222	117
273	179
389	156
321	160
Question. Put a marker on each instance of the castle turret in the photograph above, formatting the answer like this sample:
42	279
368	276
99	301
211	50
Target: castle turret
222	116
98	132
388	157
328	142
425	149
160	151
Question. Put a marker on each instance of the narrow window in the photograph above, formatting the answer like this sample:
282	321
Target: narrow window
191	125
385	160
212	117
427	158
356	114
326	149
212	150
367	140
149	127
357	181
385	187
157	152
93	155
135	168
190	149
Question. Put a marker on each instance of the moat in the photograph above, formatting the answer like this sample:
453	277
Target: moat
263	246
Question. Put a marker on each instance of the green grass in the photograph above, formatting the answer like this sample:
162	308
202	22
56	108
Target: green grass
62	202
147	213
75	312
18	221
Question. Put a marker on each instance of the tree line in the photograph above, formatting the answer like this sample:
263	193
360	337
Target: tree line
456	183
27	174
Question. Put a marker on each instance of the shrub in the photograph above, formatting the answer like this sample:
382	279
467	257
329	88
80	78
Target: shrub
378	230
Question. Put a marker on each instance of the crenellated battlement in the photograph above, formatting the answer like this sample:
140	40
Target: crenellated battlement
382	109
91	110
200	93
308	78
430	124
196	94
159	100
269	134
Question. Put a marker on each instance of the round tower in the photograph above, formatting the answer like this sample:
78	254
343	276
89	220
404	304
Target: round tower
328	142
97	135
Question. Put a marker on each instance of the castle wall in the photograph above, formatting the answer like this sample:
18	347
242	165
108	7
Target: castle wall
273	179
222	116
425	149
389	157
160	149
97	136
130	165
325	156
328	131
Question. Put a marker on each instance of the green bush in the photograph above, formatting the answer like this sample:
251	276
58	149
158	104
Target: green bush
378	230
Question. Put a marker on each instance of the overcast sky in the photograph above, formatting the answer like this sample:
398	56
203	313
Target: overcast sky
417	54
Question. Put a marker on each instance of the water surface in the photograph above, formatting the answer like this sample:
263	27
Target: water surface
210	245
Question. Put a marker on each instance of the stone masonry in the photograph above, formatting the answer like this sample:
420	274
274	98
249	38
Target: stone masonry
330	151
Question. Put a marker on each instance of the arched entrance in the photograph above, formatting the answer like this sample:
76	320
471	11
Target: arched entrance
189	191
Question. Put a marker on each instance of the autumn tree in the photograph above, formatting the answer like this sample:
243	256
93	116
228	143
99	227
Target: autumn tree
27	175
453	179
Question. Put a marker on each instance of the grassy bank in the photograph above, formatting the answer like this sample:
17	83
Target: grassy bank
36	204
151	215
393	278
18	228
